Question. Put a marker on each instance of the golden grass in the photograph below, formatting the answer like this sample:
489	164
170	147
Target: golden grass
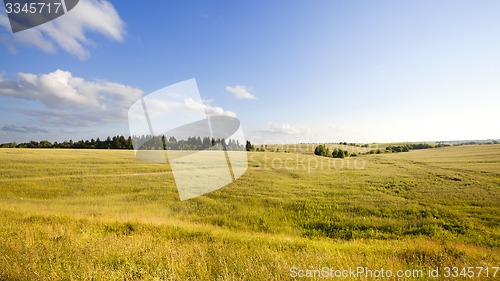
101	214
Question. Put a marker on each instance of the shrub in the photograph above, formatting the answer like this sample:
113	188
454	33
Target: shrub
320	150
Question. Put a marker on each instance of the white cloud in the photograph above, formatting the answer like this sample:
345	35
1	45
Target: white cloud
240	92
60	88
72	100
218	111
158	107
215	110
282	129
69	31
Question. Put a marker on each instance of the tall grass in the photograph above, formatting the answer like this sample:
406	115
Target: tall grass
85	214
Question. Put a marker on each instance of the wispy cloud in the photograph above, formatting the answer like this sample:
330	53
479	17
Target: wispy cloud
240	92
337	127
22	129
72	100
282	129
69	32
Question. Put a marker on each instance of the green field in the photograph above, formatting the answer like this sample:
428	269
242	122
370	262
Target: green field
102	214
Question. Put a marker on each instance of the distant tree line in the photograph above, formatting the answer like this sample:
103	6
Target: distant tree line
355	144
116	142
477	142
266	148
148	142
408	147
322	150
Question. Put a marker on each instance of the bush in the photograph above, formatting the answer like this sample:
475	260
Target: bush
339	153
320	150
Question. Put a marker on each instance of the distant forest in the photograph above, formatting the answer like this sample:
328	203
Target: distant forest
148	143
206	143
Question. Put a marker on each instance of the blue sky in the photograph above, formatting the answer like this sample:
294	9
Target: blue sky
292	71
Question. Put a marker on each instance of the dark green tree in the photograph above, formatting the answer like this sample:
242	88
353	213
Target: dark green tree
248	146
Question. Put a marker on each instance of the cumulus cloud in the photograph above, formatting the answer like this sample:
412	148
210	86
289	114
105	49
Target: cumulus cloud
61	88
209	109
69	31
22	129
157	107
240	92
72	100
282	129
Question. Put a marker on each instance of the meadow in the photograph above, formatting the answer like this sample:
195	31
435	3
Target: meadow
103	215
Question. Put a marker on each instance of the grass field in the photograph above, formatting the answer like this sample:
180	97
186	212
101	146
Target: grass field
101	214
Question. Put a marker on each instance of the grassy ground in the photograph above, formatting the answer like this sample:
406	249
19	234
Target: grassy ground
94	214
